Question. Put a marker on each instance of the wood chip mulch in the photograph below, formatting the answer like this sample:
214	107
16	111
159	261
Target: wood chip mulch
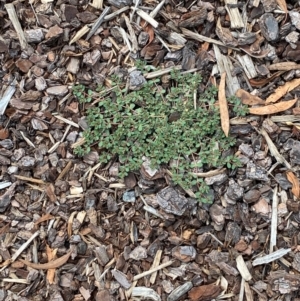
70	229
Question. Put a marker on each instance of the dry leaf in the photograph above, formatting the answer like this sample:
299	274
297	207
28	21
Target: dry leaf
296	111
4	229
282	5
223	106
273	108
51	254
204	292
49	265
50	191
249	99
283	90
44	218
264	81
295	182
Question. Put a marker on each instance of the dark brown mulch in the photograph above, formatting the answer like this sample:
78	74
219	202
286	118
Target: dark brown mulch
70	229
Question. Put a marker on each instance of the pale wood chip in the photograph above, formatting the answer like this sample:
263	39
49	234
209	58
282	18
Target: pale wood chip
17	25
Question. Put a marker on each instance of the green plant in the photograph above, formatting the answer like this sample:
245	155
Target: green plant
136	124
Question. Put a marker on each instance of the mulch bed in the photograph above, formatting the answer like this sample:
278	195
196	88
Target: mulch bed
70	229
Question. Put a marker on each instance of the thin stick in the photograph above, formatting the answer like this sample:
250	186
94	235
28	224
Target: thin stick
271	257
65	170
66	120
210	173
16	23
24	246
98	22
146	17
242	289
114	14
274	220
161	266
37	181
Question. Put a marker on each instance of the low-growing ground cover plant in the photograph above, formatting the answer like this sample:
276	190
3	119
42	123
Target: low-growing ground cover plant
177	128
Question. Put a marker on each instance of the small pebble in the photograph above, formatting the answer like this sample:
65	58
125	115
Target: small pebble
129	196
81	248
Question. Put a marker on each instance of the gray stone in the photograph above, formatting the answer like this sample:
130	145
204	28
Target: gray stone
138	253
295	153
246	149
81	248
234	191
217	179
171	201
58	90
184	253
129	196
269	27
136	80
27	162
90	202
283	181
252	196
295	18
255	172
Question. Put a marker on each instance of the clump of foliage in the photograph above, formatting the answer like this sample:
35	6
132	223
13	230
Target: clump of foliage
136	124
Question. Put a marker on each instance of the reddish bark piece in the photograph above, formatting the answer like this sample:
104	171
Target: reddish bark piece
54	32
4	133
24	65
205	292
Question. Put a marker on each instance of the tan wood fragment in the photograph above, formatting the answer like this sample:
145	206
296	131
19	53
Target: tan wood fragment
242	290
66	120
116	13
154	265
284	66
27	140
16	23
80	34
70	222
285	118
98	4
146	17
242	267
225	65
158	7
146	273
248	292
64	171
274	220
210	173
161	72
236	20
23	178
248	66
198	37
125	38
271	257
15	280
